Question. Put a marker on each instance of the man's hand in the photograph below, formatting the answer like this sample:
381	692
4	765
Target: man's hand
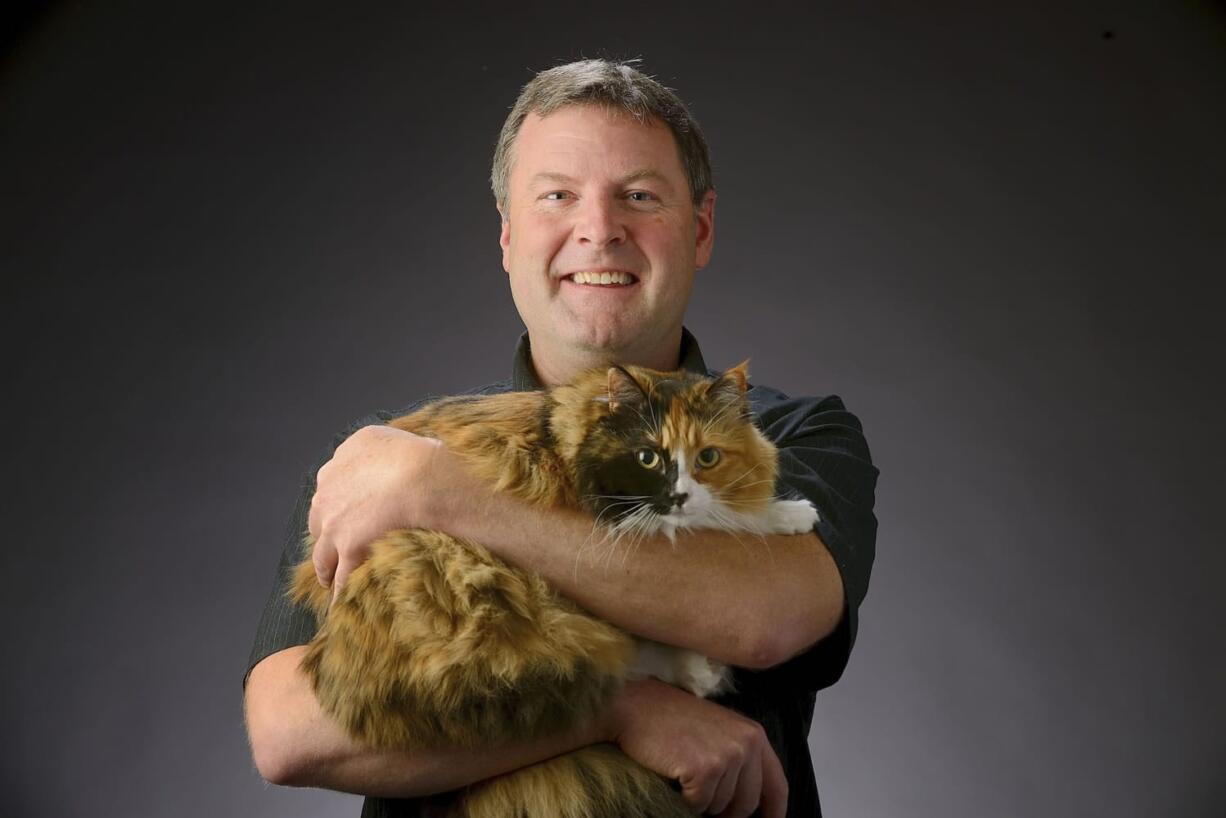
723	761
379	479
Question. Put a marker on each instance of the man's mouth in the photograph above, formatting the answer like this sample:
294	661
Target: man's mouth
601	279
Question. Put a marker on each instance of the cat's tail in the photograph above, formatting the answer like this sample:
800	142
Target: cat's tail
594	782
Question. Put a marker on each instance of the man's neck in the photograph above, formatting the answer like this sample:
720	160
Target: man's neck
554	367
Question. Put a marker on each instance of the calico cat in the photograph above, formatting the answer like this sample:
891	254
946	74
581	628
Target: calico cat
435	642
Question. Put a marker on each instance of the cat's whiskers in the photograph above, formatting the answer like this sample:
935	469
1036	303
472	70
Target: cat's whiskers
748	472
753	510
643	531
589	542
629	497
609	544
602	550
751	485
718	416
613	529
731	522
628	539
638	531
610	530
649	527
629	500
650	424
655	422
616	531
755	506
639	521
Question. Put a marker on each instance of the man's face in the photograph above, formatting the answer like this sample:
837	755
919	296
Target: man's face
595	193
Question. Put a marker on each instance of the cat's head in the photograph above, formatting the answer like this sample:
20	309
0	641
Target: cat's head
656	451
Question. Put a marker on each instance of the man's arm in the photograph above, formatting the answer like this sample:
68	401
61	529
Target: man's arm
721	759
749	601
295	743
746	600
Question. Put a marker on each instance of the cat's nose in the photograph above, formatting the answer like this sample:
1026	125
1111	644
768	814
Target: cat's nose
679	499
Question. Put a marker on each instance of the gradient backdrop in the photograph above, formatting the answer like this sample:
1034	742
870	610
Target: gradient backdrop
995	229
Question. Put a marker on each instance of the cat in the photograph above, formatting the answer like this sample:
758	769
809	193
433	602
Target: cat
435	642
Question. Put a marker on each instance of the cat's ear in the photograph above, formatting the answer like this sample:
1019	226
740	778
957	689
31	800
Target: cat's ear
623	388
732	384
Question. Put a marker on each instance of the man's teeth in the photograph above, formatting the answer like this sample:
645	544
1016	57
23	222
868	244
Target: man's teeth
603	278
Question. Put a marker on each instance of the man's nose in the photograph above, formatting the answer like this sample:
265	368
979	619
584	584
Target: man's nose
599	223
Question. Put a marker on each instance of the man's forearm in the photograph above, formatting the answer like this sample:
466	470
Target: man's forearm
296	744
739	598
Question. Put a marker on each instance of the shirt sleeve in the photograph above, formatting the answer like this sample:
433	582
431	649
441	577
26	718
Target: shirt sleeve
824	458
284	624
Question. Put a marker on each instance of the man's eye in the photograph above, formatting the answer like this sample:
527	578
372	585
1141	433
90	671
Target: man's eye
556	195
641	196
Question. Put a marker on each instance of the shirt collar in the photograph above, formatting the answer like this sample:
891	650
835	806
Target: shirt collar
523	376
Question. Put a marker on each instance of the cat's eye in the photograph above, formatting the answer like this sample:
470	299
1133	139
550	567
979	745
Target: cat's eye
648	459
708	457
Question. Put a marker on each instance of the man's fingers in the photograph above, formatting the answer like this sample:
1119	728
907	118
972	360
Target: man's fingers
774	786
313	513
313	519
699	791
747	794
343	568
324	556
729	787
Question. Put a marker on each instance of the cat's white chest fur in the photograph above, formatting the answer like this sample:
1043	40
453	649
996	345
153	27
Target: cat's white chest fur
686	668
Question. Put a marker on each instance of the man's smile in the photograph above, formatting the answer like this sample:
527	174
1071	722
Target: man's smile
601	278
599	286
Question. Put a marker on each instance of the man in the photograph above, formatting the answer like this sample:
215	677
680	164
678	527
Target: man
603	184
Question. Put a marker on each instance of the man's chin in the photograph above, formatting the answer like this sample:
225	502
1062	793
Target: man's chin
605	341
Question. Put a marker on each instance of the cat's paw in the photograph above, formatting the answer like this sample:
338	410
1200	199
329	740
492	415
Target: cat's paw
791	516
702	676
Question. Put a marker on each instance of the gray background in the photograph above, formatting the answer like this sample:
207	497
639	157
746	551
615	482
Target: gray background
230	229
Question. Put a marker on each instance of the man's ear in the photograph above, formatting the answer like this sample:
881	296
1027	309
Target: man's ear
504	240
704	229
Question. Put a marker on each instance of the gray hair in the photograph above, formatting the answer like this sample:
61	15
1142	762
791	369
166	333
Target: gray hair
616	86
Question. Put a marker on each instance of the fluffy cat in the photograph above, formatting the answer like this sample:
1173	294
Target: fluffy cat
435	642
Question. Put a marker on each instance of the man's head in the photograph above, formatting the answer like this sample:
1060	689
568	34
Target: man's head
613	85
601	171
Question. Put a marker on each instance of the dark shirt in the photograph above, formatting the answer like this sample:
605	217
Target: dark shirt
822	457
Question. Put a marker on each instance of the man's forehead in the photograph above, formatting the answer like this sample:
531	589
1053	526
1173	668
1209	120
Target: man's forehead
640	175
550	148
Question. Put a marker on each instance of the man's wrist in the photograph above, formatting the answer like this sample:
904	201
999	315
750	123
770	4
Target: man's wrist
449	493
630	698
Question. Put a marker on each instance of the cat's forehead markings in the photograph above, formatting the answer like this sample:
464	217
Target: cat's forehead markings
679	428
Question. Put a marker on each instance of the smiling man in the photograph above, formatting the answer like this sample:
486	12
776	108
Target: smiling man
601	237
603	183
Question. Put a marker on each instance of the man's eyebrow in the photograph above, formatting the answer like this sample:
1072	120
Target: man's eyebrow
645	173
548	176
634	176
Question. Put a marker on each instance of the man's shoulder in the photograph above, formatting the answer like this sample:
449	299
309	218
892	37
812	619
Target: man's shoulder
788	420
771	405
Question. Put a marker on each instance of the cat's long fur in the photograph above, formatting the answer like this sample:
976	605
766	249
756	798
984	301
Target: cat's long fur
435	642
